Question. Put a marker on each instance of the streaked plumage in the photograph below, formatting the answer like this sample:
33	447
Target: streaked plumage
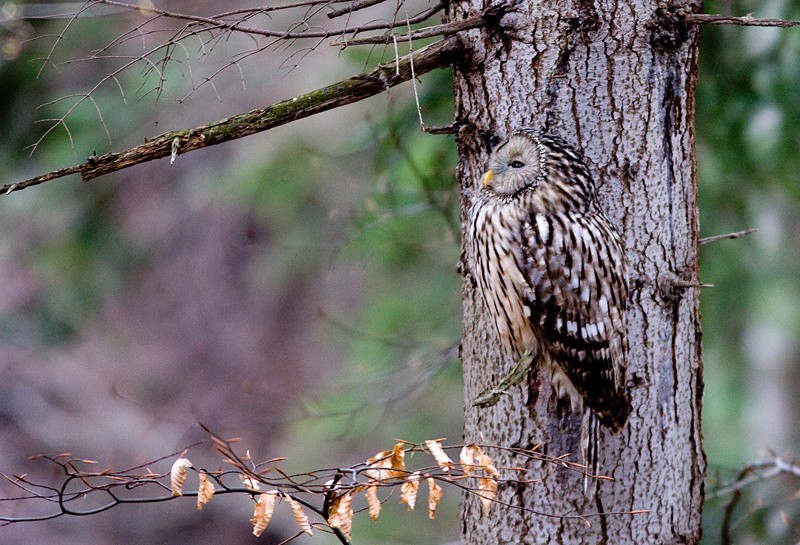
552	272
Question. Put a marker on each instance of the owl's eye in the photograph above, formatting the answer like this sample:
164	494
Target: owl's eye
517	164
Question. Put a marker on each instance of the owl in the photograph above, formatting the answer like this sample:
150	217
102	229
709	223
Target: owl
551	271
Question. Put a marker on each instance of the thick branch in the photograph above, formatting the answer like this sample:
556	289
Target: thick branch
179	142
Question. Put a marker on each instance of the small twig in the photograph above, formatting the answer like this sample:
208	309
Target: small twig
291	5
332	96
444	29
725	528
761	470
355	6
757	471
444	129
413	76
746	20
217	23
691	284
737	234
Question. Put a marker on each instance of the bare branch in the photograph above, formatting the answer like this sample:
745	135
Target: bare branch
691	284
737	234
218	23
760	470
355	6
265	9
746	20
60	37
344	92
444	29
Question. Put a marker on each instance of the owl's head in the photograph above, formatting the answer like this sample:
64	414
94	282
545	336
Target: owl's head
514	165
542	166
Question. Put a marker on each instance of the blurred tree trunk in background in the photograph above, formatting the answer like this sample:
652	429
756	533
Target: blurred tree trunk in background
617	80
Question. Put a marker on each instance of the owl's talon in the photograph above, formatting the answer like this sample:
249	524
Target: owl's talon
492	395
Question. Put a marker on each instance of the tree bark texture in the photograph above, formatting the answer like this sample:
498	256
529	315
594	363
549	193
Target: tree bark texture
617	80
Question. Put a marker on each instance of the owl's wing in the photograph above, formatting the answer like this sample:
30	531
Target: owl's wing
576	297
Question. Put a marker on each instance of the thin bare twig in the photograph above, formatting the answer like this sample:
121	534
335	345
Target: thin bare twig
746	20
757	471
215	22
444	29
344	92
60	37
691	284
737	234
354	6
265	9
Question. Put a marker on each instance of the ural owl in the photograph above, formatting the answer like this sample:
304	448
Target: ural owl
552	272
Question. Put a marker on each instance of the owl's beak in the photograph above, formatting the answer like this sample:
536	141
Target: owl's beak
487	178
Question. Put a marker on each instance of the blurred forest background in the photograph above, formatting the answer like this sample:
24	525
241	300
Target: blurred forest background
298	288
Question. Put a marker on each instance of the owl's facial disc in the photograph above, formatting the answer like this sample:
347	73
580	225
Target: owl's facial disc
513	166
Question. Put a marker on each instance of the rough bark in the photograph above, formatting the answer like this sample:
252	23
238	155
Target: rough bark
617	79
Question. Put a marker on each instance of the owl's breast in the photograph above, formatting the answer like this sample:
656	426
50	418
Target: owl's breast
495	254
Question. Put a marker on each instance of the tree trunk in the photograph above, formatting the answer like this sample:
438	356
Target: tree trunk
617	80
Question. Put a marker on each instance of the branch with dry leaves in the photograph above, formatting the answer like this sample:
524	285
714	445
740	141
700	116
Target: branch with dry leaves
325	500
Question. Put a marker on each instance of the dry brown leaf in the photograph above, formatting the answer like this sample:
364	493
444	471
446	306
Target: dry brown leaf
300	516
262	513
487	490
373	502
439	455
387	464
467	458
408	492
250	483
471	459
398	459
434	497
177	476
380	462
486	464
204	490
340	514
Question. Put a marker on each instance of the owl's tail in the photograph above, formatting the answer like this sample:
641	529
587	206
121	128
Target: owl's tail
590	444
